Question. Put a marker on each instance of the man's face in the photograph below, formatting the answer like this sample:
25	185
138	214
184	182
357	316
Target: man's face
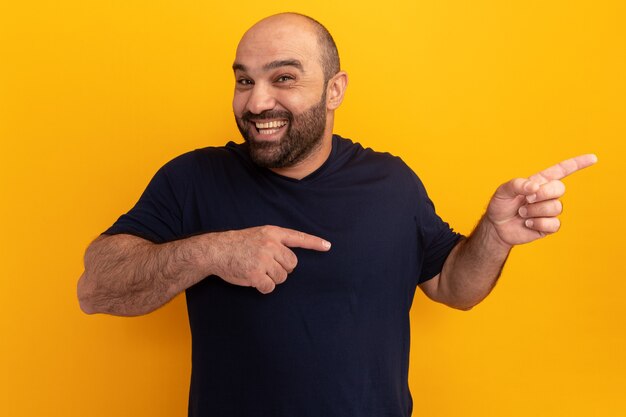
280	100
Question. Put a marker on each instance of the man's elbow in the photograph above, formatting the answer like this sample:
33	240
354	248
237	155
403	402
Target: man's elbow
463	307
466	302
86	307
437	291
460	305
454	302
91	303
85	299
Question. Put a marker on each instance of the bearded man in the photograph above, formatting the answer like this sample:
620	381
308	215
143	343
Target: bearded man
283	325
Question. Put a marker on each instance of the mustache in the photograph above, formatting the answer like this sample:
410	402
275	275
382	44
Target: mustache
267	114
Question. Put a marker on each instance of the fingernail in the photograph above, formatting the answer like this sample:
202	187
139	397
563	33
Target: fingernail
326	244
522	211
531	198
528	223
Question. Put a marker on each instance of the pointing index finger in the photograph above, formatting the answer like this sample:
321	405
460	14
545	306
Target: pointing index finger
296	239
565	168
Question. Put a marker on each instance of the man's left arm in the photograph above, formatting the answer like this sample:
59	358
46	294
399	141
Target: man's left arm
521	211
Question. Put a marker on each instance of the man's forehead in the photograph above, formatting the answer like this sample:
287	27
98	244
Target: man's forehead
260	60
268	42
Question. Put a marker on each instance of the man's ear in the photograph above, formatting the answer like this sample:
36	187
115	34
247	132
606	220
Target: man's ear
336	89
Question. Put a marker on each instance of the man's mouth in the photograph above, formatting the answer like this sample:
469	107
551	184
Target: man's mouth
267	128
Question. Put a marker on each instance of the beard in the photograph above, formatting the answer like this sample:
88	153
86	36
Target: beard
304	135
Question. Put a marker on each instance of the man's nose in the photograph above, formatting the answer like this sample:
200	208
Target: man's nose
260	99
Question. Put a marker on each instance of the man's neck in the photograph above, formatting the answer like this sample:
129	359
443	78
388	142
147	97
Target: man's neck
311	163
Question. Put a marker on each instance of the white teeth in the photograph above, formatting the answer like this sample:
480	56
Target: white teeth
268	131
272	124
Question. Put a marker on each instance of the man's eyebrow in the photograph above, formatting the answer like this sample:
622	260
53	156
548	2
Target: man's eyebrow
283	63
240	67
272	65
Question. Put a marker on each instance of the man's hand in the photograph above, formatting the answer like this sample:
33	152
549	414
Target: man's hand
526	209
521	210
260	256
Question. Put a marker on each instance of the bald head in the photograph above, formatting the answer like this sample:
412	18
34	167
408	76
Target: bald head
328	55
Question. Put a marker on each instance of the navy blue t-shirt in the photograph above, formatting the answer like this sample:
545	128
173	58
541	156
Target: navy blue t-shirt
333	340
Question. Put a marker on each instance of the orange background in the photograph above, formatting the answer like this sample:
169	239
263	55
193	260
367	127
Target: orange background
95	96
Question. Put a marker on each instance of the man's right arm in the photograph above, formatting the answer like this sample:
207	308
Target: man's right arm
129	276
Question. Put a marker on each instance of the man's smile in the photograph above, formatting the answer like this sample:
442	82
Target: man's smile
267	128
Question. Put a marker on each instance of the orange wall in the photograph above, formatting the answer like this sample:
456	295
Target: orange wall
95	96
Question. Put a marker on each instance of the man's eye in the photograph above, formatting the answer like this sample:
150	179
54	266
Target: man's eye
244	81
284	78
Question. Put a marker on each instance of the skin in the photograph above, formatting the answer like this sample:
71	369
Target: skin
521	210
294	88
126	275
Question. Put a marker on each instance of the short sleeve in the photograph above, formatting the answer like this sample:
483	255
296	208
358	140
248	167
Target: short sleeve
436	237
157	216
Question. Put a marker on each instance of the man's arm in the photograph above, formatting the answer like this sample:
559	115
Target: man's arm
521	210
470	271
129	276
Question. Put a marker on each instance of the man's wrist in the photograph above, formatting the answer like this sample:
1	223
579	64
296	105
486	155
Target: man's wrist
492	237
202	250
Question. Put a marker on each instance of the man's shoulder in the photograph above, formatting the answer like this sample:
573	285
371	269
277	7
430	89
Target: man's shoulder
230	153
200	166
356	155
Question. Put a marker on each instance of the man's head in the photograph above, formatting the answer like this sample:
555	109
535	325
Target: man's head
288	84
